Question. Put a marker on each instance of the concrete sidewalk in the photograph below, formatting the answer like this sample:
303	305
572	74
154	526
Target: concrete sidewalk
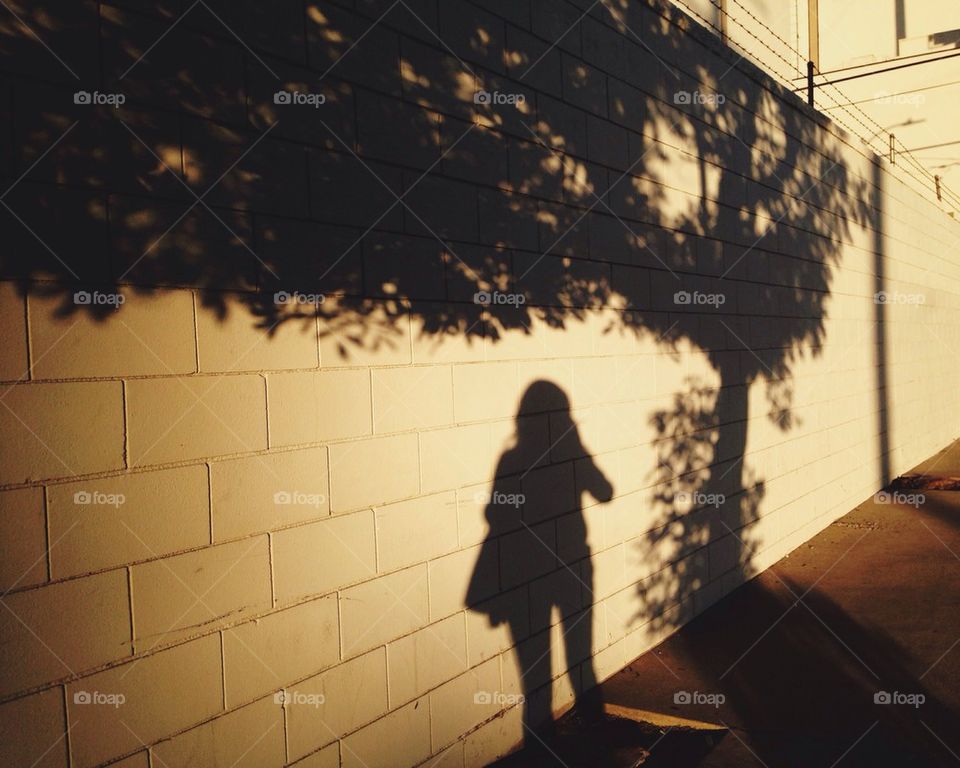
805	654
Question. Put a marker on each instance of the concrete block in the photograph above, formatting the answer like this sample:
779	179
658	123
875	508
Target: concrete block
161	694
400	530
322	557
23	538
250	735
267	492
194	591
172	419
61	430
326	707
409	398
35	649
401	738
373	471
264	655
380	610
423	660
314	418
33	729
113	521
128	341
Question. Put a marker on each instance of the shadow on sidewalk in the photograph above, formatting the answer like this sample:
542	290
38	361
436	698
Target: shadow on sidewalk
614	742
838	655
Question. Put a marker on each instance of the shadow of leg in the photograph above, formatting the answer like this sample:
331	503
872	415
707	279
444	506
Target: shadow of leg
578	643
533	656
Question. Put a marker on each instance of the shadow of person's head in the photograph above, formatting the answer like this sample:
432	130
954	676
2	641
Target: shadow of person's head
542	396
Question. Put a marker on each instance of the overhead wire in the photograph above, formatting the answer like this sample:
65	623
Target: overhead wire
926	180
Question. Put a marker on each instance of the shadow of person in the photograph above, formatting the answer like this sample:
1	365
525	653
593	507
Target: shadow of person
520	555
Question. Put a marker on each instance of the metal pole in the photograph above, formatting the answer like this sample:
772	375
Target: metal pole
810	83
893	150
813	31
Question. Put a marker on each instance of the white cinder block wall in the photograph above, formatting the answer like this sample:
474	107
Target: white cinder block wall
209	498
